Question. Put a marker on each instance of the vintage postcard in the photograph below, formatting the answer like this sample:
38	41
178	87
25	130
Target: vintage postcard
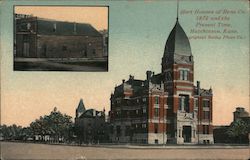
129	79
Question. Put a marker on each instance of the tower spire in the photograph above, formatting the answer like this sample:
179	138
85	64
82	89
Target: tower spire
177	10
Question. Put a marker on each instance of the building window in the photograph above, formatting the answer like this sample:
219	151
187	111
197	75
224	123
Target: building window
93	51
111	129
195	103
118	130
74	27
156	141
28	26
138	100
184	75
144	100
205	103
64	48
206	115
137	111
156	127
156	100
54	27
127	131
156	112
205	129
144	110
184	103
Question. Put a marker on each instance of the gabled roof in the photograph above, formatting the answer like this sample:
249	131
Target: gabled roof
91	113
46	26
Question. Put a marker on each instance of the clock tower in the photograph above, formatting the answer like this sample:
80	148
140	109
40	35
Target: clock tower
177	69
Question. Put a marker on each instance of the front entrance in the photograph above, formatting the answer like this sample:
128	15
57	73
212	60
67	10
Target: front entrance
186	133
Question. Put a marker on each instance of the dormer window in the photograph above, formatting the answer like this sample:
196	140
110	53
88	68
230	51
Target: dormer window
184	75
54	27
28	26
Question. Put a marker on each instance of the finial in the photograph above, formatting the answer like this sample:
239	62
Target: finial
177	10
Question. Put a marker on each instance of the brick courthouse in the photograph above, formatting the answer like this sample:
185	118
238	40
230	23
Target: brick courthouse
166	107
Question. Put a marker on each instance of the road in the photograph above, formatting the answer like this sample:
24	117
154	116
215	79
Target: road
26	151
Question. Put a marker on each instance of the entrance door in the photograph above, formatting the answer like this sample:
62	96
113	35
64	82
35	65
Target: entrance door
186	133
26	49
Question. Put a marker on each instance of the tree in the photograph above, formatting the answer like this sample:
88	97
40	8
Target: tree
12	132
238	131
55	125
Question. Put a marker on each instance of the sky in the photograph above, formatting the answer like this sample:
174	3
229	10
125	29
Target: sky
138	31
96	16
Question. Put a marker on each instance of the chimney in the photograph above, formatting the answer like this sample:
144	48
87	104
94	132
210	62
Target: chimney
198	87
149	73
131	77
123	81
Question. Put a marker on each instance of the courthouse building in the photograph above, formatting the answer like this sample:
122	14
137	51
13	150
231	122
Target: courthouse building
166	107
44	38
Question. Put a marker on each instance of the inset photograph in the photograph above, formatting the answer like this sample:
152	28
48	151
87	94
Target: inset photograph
61	38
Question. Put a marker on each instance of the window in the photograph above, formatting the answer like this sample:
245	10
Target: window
156	100
118	130
205	129
206	115
195	103
156	141
156	112
184	75
156	127
127	131
64	48
144	110
205	103
54	27
28	26
144	99
111	129
184	103
137	100
137	111
74	27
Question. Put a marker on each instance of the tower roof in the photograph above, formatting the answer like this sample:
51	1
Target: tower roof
177	42
81	107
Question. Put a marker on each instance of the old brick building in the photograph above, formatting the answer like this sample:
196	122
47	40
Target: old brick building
90	125
166	107
43	38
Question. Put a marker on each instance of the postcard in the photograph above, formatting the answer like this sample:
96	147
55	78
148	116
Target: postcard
129	79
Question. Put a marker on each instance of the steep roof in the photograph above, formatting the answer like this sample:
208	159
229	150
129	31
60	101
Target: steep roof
81	108
46	26
177	42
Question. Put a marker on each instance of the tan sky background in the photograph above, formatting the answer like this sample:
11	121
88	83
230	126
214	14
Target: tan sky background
97	16
137	37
